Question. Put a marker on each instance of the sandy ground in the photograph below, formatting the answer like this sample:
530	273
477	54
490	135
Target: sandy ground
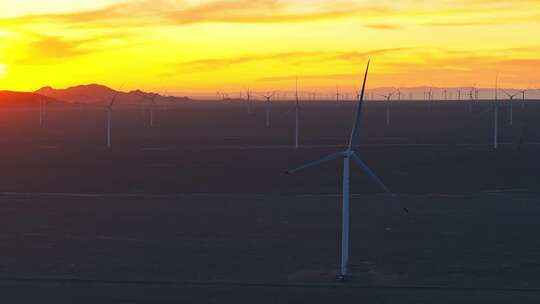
197	209
472	248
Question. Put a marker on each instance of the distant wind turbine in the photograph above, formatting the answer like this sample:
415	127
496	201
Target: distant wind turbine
248	99
429	95
41	111
152	98
152	108
268	98
523	92
471	98
297	117
109	118
387	98
511	104
349	154
496	114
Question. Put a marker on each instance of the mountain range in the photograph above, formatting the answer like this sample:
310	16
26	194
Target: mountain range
100	94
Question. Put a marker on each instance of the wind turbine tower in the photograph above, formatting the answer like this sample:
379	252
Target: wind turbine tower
349	154
268	98
387	98
496	114
249	105
511	104
523	92
297	117
41	111
109	118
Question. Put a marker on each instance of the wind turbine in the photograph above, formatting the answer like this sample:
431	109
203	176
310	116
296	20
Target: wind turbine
268	98
297	117
496	114
248	99
523	92
387	98
349	154
152	107
511	96
41	111
429	95
471	98
152	99
109	118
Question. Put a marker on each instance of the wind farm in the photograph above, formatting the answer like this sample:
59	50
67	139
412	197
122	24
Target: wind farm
269	152
211	159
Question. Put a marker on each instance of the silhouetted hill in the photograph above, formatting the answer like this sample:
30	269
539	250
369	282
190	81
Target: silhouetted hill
24	99
100	94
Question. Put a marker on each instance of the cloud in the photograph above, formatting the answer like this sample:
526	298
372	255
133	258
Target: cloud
373	14
287	57
382	26
47	48
146	12
217	63
344	76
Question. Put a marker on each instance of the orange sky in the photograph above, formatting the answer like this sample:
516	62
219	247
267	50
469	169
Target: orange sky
190	46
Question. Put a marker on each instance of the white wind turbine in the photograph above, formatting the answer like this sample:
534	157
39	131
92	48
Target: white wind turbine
429	95
109	118
471	98
387	98
496	114
523	92
511	101
152	99
41	111
297	118
268	98
349	154
248	99
296	110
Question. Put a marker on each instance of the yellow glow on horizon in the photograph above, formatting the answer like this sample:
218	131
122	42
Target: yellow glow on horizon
209	45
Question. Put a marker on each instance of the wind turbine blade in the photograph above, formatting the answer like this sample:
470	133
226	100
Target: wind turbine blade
370	173
325	159
355	130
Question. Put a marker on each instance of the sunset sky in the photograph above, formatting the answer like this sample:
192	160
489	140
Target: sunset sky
189	46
